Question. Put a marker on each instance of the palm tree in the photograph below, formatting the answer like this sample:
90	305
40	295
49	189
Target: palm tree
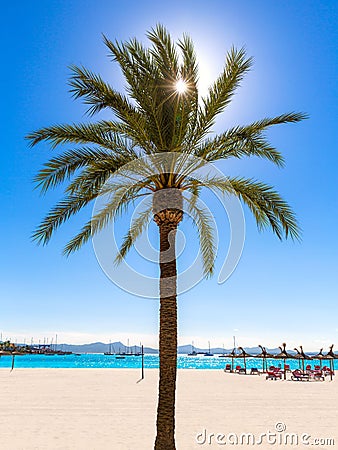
161	112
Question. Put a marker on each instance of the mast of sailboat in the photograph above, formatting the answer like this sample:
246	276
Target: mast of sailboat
235	343
142	362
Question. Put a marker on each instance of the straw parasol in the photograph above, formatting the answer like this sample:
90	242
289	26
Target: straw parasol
320	357
304	355
301	356
331	356
243	355
264	355
284	355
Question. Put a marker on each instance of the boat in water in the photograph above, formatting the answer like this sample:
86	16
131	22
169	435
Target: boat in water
209	352
110	353
193	351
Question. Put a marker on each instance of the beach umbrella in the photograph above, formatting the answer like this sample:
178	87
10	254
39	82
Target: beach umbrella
304	355
331	354
331	357
320	356
298	356
301	356
243	355
264	355
284	355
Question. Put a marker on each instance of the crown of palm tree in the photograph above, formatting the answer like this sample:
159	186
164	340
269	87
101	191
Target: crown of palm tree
152	118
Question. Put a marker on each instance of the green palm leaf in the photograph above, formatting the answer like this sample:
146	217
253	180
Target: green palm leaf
59	169
203	223
137	227
267	206
221	92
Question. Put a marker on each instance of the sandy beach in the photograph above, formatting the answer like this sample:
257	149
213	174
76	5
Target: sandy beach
99	409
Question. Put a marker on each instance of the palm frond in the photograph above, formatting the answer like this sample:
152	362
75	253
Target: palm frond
263	124
221	92
97	93
92	178
59	214
106	134
140	70
62	167
267	206
117	203
164	52
247	141
234	144
203	222
137	227
190	74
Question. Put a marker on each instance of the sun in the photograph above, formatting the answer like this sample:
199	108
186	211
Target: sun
181	86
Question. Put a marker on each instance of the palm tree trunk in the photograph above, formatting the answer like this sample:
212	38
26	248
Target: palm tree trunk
165	438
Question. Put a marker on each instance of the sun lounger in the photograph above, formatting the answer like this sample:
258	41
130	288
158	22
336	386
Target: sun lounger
297	375
273	375
254	371
327	371
240	369
317	375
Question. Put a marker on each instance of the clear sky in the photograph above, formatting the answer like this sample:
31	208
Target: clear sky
279	291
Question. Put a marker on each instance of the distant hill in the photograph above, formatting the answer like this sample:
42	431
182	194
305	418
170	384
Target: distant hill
116	347
100	347
219	350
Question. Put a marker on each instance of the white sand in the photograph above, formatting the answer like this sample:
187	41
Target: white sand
105	409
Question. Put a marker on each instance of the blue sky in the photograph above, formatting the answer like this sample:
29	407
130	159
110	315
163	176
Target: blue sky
279	291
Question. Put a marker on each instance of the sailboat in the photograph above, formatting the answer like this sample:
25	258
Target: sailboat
127	352
120	355
209	352
223	355
193	351
109	353
130	351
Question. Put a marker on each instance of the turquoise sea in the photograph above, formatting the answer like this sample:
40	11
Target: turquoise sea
100	361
